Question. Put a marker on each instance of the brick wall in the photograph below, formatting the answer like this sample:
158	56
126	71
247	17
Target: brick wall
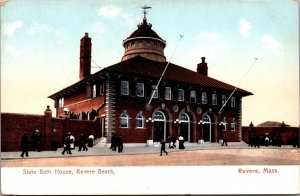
14	125
288	134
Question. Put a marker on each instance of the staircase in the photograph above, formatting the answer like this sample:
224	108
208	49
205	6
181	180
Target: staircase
100	142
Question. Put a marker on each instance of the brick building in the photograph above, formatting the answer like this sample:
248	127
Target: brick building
185	102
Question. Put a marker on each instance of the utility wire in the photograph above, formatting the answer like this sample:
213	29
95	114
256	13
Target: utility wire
255	59
163	73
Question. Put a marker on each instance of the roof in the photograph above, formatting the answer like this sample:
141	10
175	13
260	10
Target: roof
272	124
144	30
145	67
140	66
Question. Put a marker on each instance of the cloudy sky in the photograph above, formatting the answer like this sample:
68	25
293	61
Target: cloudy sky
40	47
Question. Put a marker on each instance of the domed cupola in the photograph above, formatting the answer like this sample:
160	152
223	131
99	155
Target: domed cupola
144	42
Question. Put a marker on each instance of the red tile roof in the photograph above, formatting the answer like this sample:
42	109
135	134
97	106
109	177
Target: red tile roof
143	67
140	66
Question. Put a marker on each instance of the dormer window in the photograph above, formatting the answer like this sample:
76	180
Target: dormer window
193	97
168	95
214	99
140	90
180	95
155	91
124	88
204	98
223	99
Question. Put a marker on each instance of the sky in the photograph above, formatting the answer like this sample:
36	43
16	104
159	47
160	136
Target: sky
40	47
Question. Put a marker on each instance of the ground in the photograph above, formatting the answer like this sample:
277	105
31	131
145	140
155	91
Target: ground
199	157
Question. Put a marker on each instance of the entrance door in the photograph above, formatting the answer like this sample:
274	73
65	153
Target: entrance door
159	128
185	126
206	128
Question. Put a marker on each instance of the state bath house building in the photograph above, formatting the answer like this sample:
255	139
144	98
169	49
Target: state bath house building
184	103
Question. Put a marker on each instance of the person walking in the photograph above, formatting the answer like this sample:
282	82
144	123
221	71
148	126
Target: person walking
224	140
163	147
36	141
82	141
24	144
67	144
119	143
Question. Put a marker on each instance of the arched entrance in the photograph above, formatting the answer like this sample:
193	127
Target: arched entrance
206	128
185	127
159	126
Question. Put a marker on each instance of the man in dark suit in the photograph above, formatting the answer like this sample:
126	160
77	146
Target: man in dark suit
163	147
25	144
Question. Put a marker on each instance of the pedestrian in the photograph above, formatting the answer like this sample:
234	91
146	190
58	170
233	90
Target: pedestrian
163	147
113	142
181	142
36	141
224	140
267	141
72	142
91	141
24	144
82	141
173	140
67	143
119	143
53	140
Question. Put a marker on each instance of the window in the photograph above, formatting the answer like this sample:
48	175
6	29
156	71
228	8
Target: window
153	89
124	120
232	101
94	91
180	95
232	125
223	124
61	103
139	121
124	88
101	88
168	93
214	99
204	98
193	96
140	90
223	99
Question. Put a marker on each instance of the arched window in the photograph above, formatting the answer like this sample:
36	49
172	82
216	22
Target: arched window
184	118
124	120
159	116
232	125
139	121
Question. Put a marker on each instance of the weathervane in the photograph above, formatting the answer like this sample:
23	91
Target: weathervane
145	8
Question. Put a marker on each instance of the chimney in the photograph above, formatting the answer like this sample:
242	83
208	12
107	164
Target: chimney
202	67
85	56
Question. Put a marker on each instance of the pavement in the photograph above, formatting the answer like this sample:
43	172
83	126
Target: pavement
130	149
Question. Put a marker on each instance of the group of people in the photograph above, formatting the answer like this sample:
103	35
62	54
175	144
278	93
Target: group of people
36	140
69	143
265	140
172	143
116	142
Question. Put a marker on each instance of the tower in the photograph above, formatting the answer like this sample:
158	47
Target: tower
144	42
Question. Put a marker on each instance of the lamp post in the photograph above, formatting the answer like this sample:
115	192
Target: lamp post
150	140
200	123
